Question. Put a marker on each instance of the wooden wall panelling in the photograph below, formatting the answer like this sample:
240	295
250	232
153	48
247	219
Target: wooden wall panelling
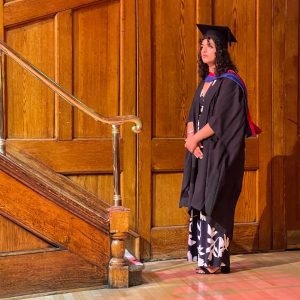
166	191
30	104
96	65
48	272
291	123
15	238
264	97
174	78
63	73
291	81
169	242
1	20
25	10
24	206
100	185
71	157
204	13
3	61
245	238
240	16
246	207
128	62
145	113
278	130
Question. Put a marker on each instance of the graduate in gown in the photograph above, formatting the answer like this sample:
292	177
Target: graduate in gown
217	125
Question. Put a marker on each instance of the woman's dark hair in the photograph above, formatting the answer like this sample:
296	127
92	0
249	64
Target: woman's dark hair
223	60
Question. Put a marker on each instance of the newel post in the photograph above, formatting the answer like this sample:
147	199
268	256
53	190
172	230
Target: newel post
118	268
118	276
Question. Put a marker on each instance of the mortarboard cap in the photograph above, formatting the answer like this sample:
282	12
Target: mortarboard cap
222	33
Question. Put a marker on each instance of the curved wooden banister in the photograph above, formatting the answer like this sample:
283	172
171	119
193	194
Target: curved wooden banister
117	120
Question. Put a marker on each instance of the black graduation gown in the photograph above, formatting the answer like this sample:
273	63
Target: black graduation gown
213	184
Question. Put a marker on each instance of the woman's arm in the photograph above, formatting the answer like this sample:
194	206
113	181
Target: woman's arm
192	141
190	129
204	133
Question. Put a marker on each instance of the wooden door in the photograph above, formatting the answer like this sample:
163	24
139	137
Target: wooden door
88	47
167	63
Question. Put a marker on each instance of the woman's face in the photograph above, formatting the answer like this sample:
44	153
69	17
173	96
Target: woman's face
208	52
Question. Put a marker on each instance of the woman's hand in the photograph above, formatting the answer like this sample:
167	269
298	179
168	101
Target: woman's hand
197	152
192	145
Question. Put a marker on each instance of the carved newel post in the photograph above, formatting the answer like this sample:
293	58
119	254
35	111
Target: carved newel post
118	267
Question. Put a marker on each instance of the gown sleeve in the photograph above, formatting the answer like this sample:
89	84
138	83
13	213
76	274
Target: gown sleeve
228	117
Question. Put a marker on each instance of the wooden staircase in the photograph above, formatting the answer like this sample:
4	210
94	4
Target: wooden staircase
69	232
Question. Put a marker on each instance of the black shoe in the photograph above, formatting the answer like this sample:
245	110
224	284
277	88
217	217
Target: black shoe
225	269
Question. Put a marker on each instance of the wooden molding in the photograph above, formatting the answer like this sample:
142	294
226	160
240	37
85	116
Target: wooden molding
95	155
48	272
25	10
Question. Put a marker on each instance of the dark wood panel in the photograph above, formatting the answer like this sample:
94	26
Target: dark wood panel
241	17
26	10
15	238
71	157
96	66
246	209
100	185
291	83
145	112
52	222
278	126
1	20
264	91
278	205
63	73
128	100
245	238
48	272
168	154
174	53
30	105
165	192
171	242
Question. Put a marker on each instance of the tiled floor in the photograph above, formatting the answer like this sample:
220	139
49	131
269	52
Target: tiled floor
273	275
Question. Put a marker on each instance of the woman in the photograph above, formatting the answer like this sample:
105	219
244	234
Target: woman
217	125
